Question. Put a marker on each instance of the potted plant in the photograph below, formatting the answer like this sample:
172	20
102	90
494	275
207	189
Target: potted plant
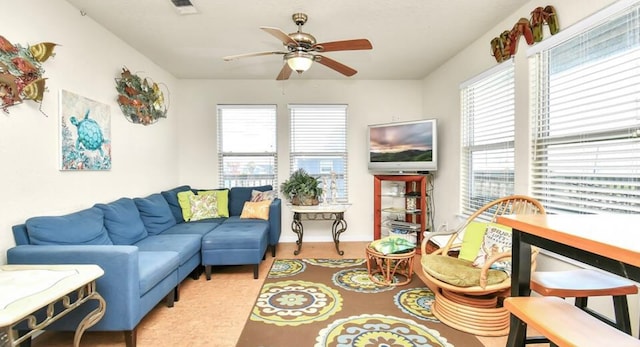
301	188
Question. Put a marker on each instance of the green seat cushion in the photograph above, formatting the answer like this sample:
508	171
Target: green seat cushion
458	272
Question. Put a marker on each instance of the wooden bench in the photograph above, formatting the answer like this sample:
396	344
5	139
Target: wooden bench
566	325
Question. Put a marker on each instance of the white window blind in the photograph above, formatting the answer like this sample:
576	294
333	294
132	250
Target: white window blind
586	119
319	143
487	158
247	151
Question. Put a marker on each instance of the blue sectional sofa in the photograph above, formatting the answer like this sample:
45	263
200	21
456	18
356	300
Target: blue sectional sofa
146	249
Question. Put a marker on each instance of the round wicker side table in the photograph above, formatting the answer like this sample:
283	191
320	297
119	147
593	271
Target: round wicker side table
389	265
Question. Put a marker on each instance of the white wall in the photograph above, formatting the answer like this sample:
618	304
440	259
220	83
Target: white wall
441	95
442	98
86	62
369	102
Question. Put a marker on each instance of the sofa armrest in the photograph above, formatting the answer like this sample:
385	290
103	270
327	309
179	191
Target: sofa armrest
120	284
275	221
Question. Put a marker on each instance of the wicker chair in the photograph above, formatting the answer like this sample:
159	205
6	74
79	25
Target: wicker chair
476	307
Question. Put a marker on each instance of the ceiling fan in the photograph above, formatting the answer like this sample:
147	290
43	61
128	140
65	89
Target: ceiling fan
302	50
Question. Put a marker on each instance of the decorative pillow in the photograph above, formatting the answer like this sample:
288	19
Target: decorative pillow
203	206
497	239
85	227
259	210
223	200
392	244
471	240
155	213
257	195
123	222
185	204
239	195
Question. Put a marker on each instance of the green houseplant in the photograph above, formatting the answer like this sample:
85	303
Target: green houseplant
301	188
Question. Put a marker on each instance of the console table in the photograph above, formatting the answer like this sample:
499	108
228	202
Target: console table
24	289
334	212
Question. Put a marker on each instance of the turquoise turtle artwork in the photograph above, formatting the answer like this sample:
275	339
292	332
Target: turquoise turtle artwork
89	134
85	133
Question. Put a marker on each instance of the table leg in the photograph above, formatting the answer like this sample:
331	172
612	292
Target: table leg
520	286
339	226
93	317
296	226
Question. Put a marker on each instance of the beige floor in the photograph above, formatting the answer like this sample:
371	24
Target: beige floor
212	313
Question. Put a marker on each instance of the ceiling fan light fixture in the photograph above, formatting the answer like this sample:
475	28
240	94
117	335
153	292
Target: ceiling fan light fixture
299	61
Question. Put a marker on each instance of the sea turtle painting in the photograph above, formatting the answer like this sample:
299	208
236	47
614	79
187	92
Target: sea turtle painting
89	134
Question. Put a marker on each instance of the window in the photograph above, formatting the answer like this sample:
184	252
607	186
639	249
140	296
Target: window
319	143
586	119
487	158
247	154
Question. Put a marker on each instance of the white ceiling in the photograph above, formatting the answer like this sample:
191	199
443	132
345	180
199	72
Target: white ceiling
410	37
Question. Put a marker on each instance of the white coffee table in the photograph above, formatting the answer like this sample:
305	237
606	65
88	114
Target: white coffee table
24	289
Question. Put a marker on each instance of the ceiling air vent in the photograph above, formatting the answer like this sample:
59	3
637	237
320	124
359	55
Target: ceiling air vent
184	7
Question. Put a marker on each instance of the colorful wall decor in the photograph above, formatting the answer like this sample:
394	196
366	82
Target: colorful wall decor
85	133
21	72
506	45
140	99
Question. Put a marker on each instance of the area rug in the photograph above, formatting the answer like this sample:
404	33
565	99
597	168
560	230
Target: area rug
332	302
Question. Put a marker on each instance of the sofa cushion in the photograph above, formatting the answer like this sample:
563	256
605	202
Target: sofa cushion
185	204
155	213
123	222
259	210
203	206
201	227
186	245
223	199
153	267
85	227
172	200
239	195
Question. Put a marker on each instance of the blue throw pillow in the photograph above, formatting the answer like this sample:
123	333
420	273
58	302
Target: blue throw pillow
123	222
172	198
84	227
239	195
155	213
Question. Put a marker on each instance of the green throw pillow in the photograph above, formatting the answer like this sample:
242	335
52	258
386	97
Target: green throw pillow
185	204
223	200
392	244
203	206
472	239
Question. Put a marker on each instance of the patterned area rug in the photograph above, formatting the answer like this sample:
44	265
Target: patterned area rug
332	302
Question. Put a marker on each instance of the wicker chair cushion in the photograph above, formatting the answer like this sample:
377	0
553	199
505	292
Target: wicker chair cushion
458	272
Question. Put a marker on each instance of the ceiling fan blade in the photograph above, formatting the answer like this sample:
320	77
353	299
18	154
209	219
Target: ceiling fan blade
332	64
282	36
255	54
346	45
284	73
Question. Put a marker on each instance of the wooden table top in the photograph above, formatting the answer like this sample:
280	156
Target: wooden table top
614	236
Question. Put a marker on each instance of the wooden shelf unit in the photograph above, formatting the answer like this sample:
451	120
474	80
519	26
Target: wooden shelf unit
415	186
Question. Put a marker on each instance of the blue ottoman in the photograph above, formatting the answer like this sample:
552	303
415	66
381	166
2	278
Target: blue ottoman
235	244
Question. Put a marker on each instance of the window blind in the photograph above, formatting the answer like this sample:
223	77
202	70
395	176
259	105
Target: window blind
247	147
586	119
487	158
319	143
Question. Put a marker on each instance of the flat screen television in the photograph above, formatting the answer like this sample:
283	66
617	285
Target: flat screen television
403	147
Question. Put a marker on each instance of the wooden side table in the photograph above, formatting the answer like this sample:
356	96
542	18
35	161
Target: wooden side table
388	266
27	288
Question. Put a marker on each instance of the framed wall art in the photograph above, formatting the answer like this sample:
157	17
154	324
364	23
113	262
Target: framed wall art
85	133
